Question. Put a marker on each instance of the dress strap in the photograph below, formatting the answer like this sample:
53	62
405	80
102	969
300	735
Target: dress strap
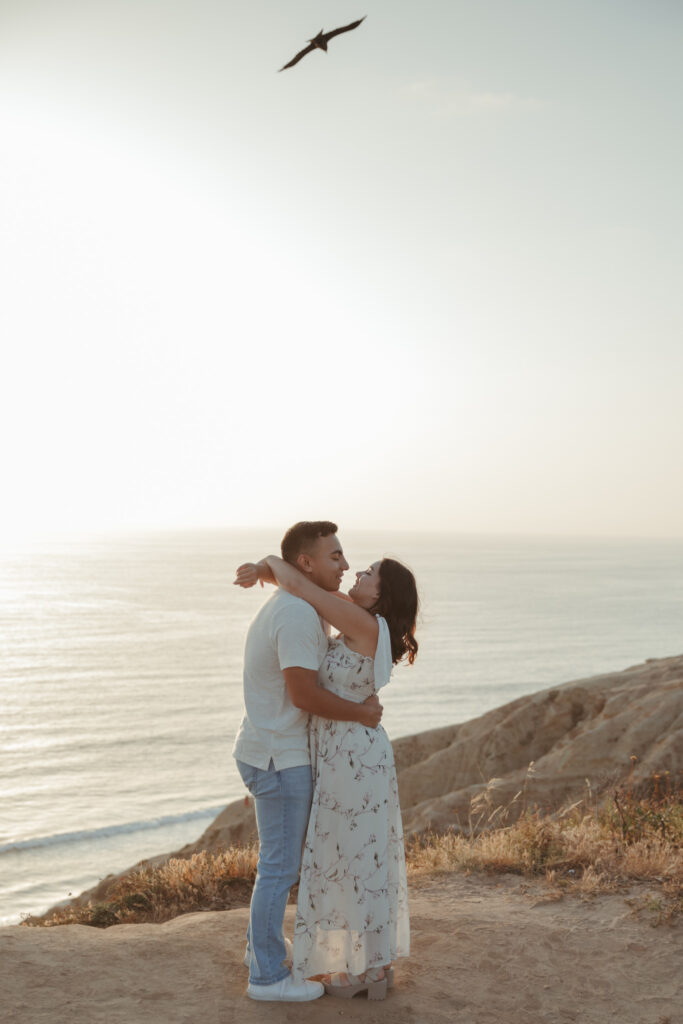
383	662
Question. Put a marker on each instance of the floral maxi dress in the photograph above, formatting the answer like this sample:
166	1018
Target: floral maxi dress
352	910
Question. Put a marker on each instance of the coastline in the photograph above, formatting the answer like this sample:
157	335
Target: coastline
123	714
484	947
549	746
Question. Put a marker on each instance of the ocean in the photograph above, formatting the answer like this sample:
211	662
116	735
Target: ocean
120	672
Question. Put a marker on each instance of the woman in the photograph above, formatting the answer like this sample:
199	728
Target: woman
352	912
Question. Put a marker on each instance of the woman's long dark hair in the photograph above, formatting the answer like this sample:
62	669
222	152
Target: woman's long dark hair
398	603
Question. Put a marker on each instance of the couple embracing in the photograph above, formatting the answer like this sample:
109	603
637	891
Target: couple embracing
320	768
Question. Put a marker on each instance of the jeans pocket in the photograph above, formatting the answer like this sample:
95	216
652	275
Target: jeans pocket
249	774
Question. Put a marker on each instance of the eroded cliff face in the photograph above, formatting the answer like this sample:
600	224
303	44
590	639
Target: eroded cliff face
577	735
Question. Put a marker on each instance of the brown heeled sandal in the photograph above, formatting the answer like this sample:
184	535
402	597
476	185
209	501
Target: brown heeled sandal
376	988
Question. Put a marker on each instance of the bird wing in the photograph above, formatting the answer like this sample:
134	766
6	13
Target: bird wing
346	28
300	54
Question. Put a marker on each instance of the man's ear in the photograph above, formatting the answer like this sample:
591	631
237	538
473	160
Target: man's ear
303	562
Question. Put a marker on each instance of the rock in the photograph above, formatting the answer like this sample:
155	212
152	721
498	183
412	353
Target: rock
581	734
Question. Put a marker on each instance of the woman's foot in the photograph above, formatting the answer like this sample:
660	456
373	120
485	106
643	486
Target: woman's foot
341	978
346	986
389	975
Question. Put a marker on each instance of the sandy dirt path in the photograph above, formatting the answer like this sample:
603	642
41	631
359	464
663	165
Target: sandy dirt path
485	951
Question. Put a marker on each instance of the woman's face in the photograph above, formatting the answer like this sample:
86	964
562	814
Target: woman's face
365	591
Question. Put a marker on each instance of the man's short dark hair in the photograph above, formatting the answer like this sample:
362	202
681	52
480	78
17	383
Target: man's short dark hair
302	537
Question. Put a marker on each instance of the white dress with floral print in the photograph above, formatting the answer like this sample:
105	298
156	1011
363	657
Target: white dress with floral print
352	910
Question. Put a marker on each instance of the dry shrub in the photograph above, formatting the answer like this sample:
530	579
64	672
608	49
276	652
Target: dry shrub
585	848
206	881
662	907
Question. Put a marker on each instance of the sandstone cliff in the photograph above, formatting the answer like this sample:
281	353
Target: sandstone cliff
578	735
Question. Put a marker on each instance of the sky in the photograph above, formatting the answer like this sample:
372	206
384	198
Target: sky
430	280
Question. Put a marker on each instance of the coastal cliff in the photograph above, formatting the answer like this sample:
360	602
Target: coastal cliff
539	751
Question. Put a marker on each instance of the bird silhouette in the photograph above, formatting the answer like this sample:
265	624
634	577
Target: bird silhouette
320	41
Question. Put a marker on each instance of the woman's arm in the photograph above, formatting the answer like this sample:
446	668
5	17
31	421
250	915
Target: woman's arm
358	625
250	573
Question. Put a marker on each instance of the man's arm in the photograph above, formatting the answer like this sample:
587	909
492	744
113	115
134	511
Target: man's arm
304	693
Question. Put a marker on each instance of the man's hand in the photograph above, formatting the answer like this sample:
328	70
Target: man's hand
371	710
305	694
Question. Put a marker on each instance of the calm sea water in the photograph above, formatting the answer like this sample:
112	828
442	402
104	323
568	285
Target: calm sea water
120	673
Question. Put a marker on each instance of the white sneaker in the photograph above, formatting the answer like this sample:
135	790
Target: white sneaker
288	947
287	991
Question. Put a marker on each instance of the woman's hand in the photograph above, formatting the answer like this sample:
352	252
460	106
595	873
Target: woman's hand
250	573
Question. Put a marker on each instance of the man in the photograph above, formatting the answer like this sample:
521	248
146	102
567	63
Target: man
286	644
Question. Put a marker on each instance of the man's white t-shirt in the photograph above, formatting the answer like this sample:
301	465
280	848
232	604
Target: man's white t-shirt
285	633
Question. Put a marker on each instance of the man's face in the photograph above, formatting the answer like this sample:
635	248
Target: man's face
325	564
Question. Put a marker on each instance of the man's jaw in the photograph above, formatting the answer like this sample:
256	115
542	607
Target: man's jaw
331	588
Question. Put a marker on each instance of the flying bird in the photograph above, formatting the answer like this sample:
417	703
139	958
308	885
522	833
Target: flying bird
321	40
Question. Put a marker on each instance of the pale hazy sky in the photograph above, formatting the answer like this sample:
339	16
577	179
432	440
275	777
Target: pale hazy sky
430	279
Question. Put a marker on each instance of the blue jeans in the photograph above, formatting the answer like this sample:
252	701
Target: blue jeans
283	804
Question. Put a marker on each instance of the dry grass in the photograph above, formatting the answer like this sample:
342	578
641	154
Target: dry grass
206	881
578	847
585	848
570	845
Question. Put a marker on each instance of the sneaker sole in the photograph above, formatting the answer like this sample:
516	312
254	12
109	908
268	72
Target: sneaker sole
278	999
